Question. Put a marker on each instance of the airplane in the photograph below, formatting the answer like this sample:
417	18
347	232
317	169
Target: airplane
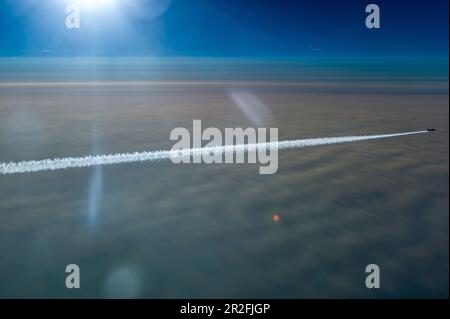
431	129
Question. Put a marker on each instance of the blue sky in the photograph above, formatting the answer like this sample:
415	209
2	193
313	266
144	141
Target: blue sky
225	28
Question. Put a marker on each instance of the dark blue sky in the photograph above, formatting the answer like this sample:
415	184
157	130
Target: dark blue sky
227	28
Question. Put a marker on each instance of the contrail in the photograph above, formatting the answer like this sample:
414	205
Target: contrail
93	160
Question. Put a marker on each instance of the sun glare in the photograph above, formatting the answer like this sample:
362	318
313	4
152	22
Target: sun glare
96	3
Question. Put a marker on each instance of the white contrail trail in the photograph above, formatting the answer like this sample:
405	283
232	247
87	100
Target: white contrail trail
92	160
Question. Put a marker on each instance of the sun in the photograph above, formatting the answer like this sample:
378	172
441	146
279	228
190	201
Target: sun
96	3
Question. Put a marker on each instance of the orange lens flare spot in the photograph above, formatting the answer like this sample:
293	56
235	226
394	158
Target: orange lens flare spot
276	218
